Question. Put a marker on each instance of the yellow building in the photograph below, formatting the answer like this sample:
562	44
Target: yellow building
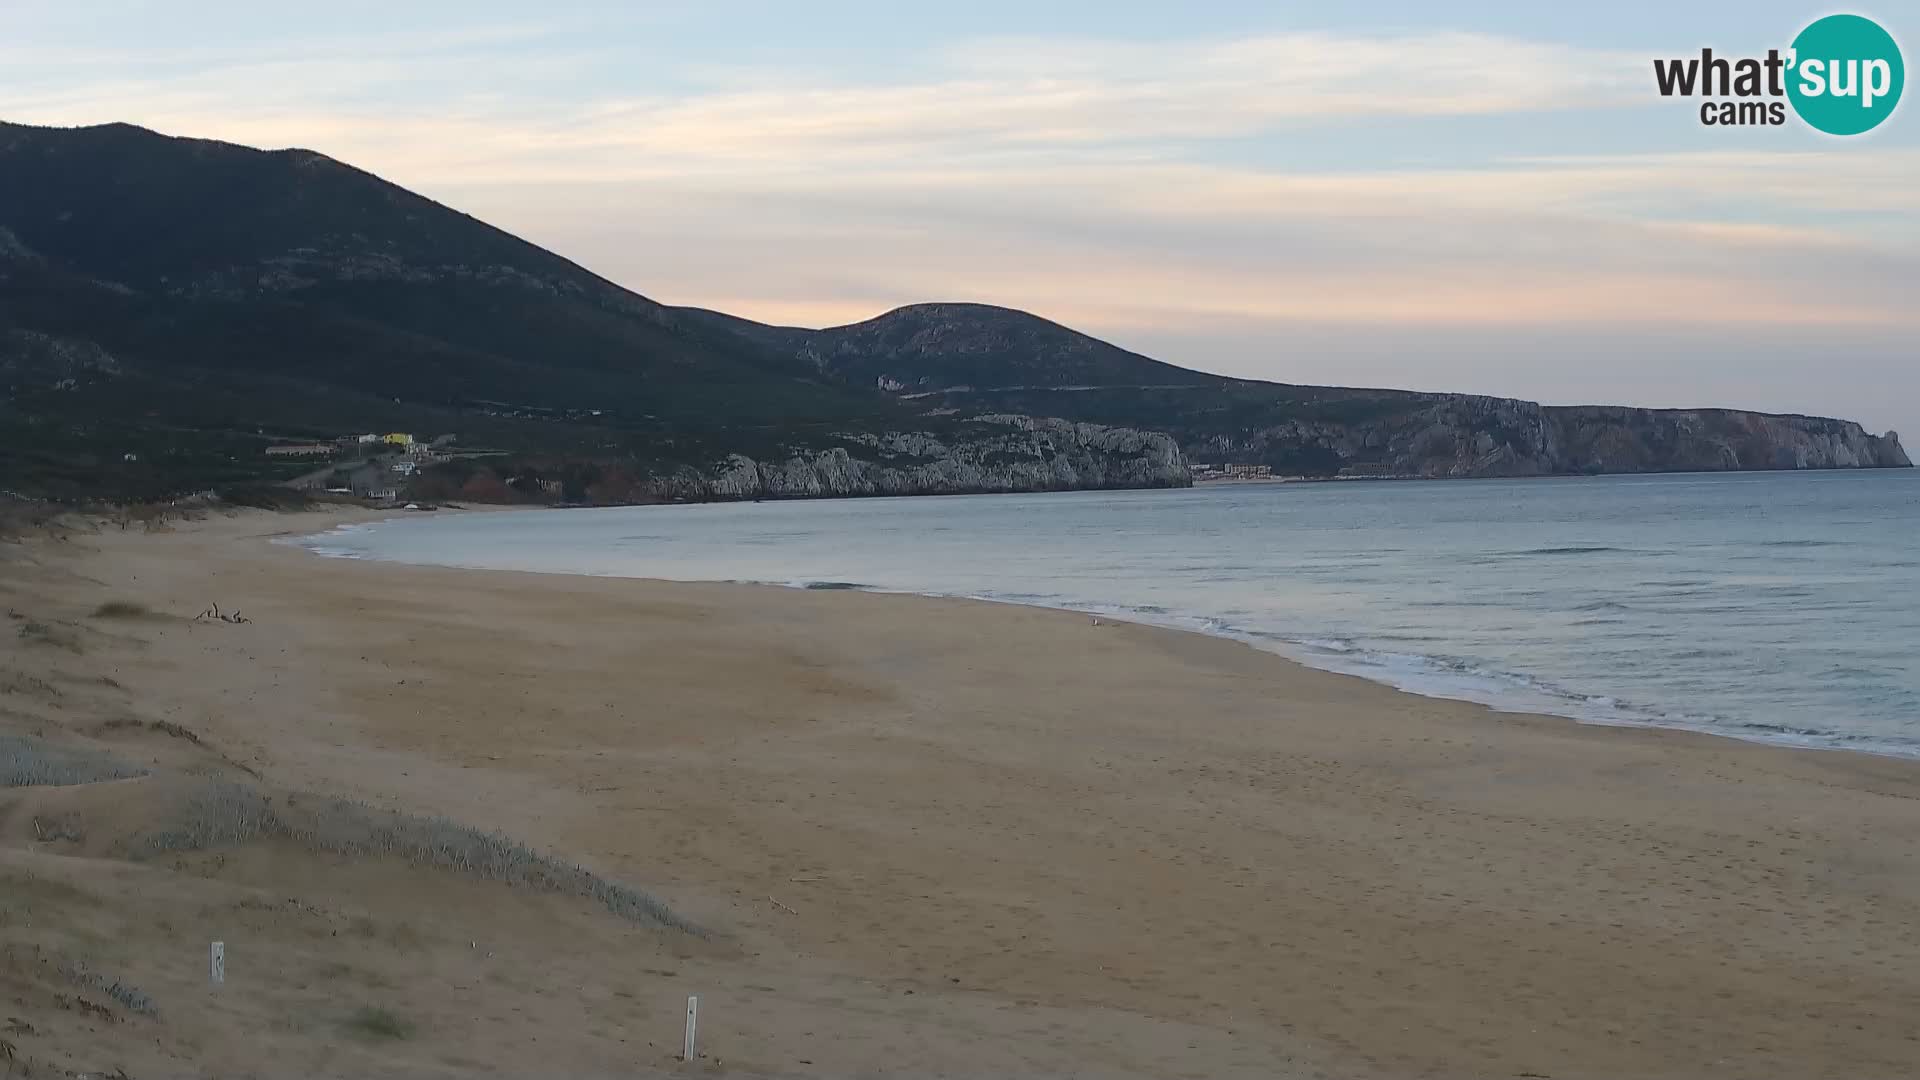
399	438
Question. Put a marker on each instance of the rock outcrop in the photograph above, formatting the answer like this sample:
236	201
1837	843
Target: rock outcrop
1458	435
979	455
997	454
973	357
1608	439
170	308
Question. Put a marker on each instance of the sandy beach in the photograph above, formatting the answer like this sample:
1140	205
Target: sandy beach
923	837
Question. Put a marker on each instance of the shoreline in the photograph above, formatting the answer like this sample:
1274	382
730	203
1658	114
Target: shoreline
1297	652
939	836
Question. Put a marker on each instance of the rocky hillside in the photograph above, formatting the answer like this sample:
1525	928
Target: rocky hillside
169	308
1458	435
1598	438
970	356
1000	454
190	258
924	348
982	455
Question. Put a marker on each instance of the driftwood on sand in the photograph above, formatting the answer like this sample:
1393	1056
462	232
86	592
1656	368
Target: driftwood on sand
213	614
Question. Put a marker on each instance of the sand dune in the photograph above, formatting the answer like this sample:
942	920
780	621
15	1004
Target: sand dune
925	837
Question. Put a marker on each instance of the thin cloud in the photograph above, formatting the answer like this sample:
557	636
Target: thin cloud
1076	177
978	99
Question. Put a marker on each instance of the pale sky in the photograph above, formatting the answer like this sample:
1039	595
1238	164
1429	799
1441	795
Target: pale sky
1485	197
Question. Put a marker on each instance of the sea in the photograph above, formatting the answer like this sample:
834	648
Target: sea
1779	607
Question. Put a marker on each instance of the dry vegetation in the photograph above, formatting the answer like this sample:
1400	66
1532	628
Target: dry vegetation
374	1022
26	761
125	843
217	813
121	609
36	632
128	996
223	813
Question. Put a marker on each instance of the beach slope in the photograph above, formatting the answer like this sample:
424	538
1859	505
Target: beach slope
917	837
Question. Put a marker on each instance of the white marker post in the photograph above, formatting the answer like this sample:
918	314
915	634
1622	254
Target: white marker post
693	1019
217	962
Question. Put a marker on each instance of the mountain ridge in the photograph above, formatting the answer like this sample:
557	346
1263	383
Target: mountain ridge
170	307
1306	430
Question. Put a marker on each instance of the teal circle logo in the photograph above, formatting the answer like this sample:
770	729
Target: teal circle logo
1846	75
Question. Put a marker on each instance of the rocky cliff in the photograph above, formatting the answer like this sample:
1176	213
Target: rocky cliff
1457	435
994	453
986	454
1034	455
1595	438
972	357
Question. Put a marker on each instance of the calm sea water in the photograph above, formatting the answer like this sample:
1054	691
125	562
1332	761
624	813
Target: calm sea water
1777	606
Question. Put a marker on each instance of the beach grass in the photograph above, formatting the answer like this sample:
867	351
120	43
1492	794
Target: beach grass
224	813
129	996
35	632
375	1022
121	609
29	762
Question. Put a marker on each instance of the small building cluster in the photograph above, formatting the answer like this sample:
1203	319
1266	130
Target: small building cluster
343	444
1202	472
365	464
